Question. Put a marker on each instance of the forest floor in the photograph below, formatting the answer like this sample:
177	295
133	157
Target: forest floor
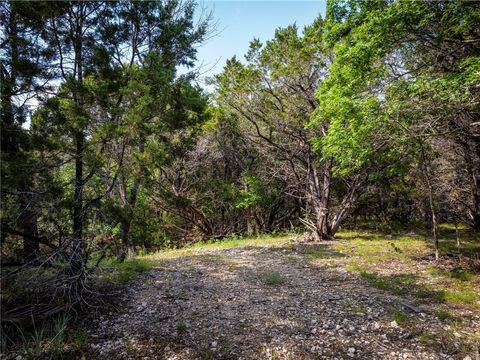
362	296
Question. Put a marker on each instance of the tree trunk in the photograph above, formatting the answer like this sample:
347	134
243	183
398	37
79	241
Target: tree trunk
323	227
126	223
431	204
28	224
78	258
347	203
319	197
474	171
78	243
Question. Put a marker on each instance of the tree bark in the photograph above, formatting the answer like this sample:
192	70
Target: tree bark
431	204
28	224
126	223
78	243
347	203
473	164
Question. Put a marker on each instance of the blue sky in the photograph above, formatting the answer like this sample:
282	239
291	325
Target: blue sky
238	22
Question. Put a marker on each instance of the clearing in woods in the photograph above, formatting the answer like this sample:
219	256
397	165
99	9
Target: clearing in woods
362	296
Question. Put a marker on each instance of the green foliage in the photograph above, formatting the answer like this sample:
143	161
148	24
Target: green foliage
253	194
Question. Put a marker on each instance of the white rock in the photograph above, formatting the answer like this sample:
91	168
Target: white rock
214	344
394	324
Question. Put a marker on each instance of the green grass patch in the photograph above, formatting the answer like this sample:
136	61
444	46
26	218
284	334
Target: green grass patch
379	283
428	339
232	242
370	248
359	309
356	268
400	316
444	314
463	275
181	327
126	271
461	296
272	277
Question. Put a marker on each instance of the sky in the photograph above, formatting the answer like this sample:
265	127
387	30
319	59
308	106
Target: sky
238	22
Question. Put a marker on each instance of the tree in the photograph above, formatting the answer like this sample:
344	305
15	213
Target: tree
382	96
109	101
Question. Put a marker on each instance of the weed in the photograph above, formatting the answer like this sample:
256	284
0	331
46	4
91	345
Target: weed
181	327
269	319
428	339
59	327
360	310
443	314
396	248
32	343
79	338
272	277
400	316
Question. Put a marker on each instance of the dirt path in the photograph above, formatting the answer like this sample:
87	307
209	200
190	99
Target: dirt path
259	303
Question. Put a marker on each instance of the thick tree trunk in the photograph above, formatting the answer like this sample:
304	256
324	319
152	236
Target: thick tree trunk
319	197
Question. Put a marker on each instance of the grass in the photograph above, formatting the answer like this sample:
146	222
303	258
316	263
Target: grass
317	252
400	316
272	277
233	242
397	284
125	272
360	310
79	338
45	338
181	327
444	314
393	263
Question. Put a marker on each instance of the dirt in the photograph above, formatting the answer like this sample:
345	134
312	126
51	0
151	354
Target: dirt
268	303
